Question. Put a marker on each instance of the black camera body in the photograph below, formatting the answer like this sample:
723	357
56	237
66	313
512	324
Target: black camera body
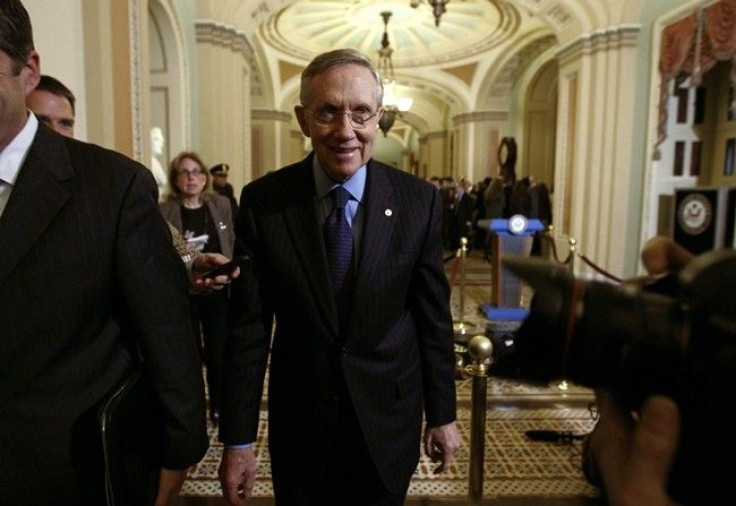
676	337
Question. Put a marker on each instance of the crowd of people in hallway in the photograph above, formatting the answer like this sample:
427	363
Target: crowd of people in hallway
465	204
344	301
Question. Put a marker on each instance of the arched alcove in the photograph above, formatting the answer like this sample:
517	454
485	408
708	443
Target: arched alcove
167	70
540	124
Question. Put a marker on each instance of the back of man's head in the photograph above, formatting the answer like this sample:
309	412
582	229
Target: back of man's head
16	34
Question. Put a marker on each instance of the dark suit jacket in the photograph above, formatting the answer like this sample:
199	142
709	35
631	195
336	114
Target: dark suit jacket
221	213
398	355
87	277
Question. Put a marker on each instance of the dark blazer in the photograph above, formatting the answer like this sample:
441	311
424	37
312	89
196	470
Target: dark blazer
88	276
398	354
221	213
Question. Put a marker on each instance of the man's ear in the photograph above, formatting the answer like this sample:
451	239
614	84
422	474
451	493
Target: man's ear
31	71
301	117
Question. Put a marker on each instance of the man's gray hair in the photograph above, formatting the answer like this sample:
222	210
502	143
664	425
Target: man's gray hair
338	58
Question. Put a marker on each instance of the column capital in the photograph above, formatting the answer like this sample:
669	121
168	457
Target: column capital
270	114
219	34
433	136
613	38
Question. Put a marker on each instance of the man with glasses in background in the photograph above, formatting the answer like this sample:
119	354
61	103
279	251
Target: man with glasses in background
346	255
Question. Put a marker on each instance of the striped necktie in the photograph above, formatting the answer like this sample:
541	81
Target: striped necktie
339	247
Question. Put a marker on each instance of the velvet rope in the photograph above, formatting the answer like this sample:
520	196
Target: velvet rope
599	269
553	247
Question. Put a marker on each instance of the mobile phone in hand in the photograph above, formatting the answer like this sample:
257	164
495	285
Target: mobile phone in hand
228	267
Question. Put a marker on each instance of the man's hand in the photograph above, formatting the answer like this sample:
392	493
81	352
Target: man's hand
635	457
441	443
662	255
237	475
169	484
203	264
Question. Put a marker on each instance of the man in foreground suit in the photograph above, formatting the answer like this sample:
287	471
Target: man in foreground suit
89	283
363	339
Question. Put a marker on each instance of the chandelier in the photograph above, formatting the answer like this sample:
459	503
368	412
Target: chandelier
392	105
438	8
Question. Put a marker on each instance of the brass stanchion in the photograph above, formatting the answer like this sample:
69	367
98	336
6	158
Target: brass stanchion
547	238
571	258
480	350
462	328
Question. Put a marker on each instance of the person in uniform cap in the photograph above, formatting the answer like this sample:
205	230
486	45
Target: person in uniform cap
222	187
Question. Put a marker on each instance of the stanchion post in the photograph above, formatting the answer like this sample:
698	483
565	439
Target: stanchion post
549	237
480	350
460	326
463	255
571	258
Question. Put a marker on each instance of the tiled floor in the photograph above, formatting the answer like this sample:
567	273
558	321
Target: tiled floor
517	472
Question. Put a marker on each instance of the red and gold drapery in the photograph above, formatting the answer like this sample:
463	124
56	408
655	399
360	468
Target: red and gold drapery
692	46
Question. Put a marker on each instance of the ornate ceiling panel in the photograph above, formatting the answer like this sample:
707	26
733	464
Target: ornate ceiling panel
468	28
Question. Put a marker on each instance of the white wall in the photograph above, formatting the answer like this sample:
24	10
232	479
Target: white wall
58	35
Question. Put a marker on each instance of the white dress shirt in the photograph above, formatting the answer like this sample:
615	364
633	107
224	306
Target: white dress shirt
12	158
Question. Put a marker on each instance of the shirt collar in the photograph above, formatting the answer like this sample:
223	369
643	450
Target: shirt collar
12	157
324	183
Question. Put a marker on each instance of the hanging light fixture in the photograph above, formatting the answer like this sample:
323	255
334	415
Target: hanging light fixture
439	7
392	105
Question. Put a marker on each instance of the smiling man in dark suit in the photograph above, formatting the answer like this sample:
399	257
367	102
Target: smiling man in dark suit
90	290
346	254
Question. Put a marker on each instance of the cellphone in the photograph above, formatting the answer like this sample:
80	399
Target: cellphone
228	267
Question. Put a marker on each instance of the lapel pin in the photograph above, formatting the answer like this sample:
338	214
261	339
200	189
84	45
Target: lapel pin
388	212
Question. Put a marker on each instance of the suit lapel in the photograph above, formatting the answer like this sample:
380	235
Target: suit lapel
306	235
37	197
380	209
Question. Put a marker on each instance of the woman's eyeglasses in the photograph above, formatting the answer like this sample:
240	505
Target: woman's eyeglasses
190	173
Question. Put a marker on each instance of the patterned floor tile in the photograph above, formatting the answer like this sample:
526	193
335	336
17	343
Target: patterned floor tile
514	466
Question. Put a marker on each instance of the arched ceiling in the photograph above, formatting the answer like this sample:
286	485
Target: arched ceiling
468	28
477	47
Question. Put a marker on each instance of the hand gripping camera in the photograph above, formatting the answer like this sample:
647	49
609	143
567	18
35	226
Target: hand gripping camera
676	337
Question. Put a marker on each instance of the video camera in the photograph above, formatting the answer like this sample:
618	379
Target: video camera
676	337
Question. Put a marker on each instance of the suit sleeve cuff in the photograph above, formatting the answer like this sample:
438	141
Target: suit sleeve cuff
240	447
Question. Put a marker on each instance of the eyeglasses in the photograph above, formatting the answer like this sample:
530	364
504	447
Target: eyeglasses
190	173
328	116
